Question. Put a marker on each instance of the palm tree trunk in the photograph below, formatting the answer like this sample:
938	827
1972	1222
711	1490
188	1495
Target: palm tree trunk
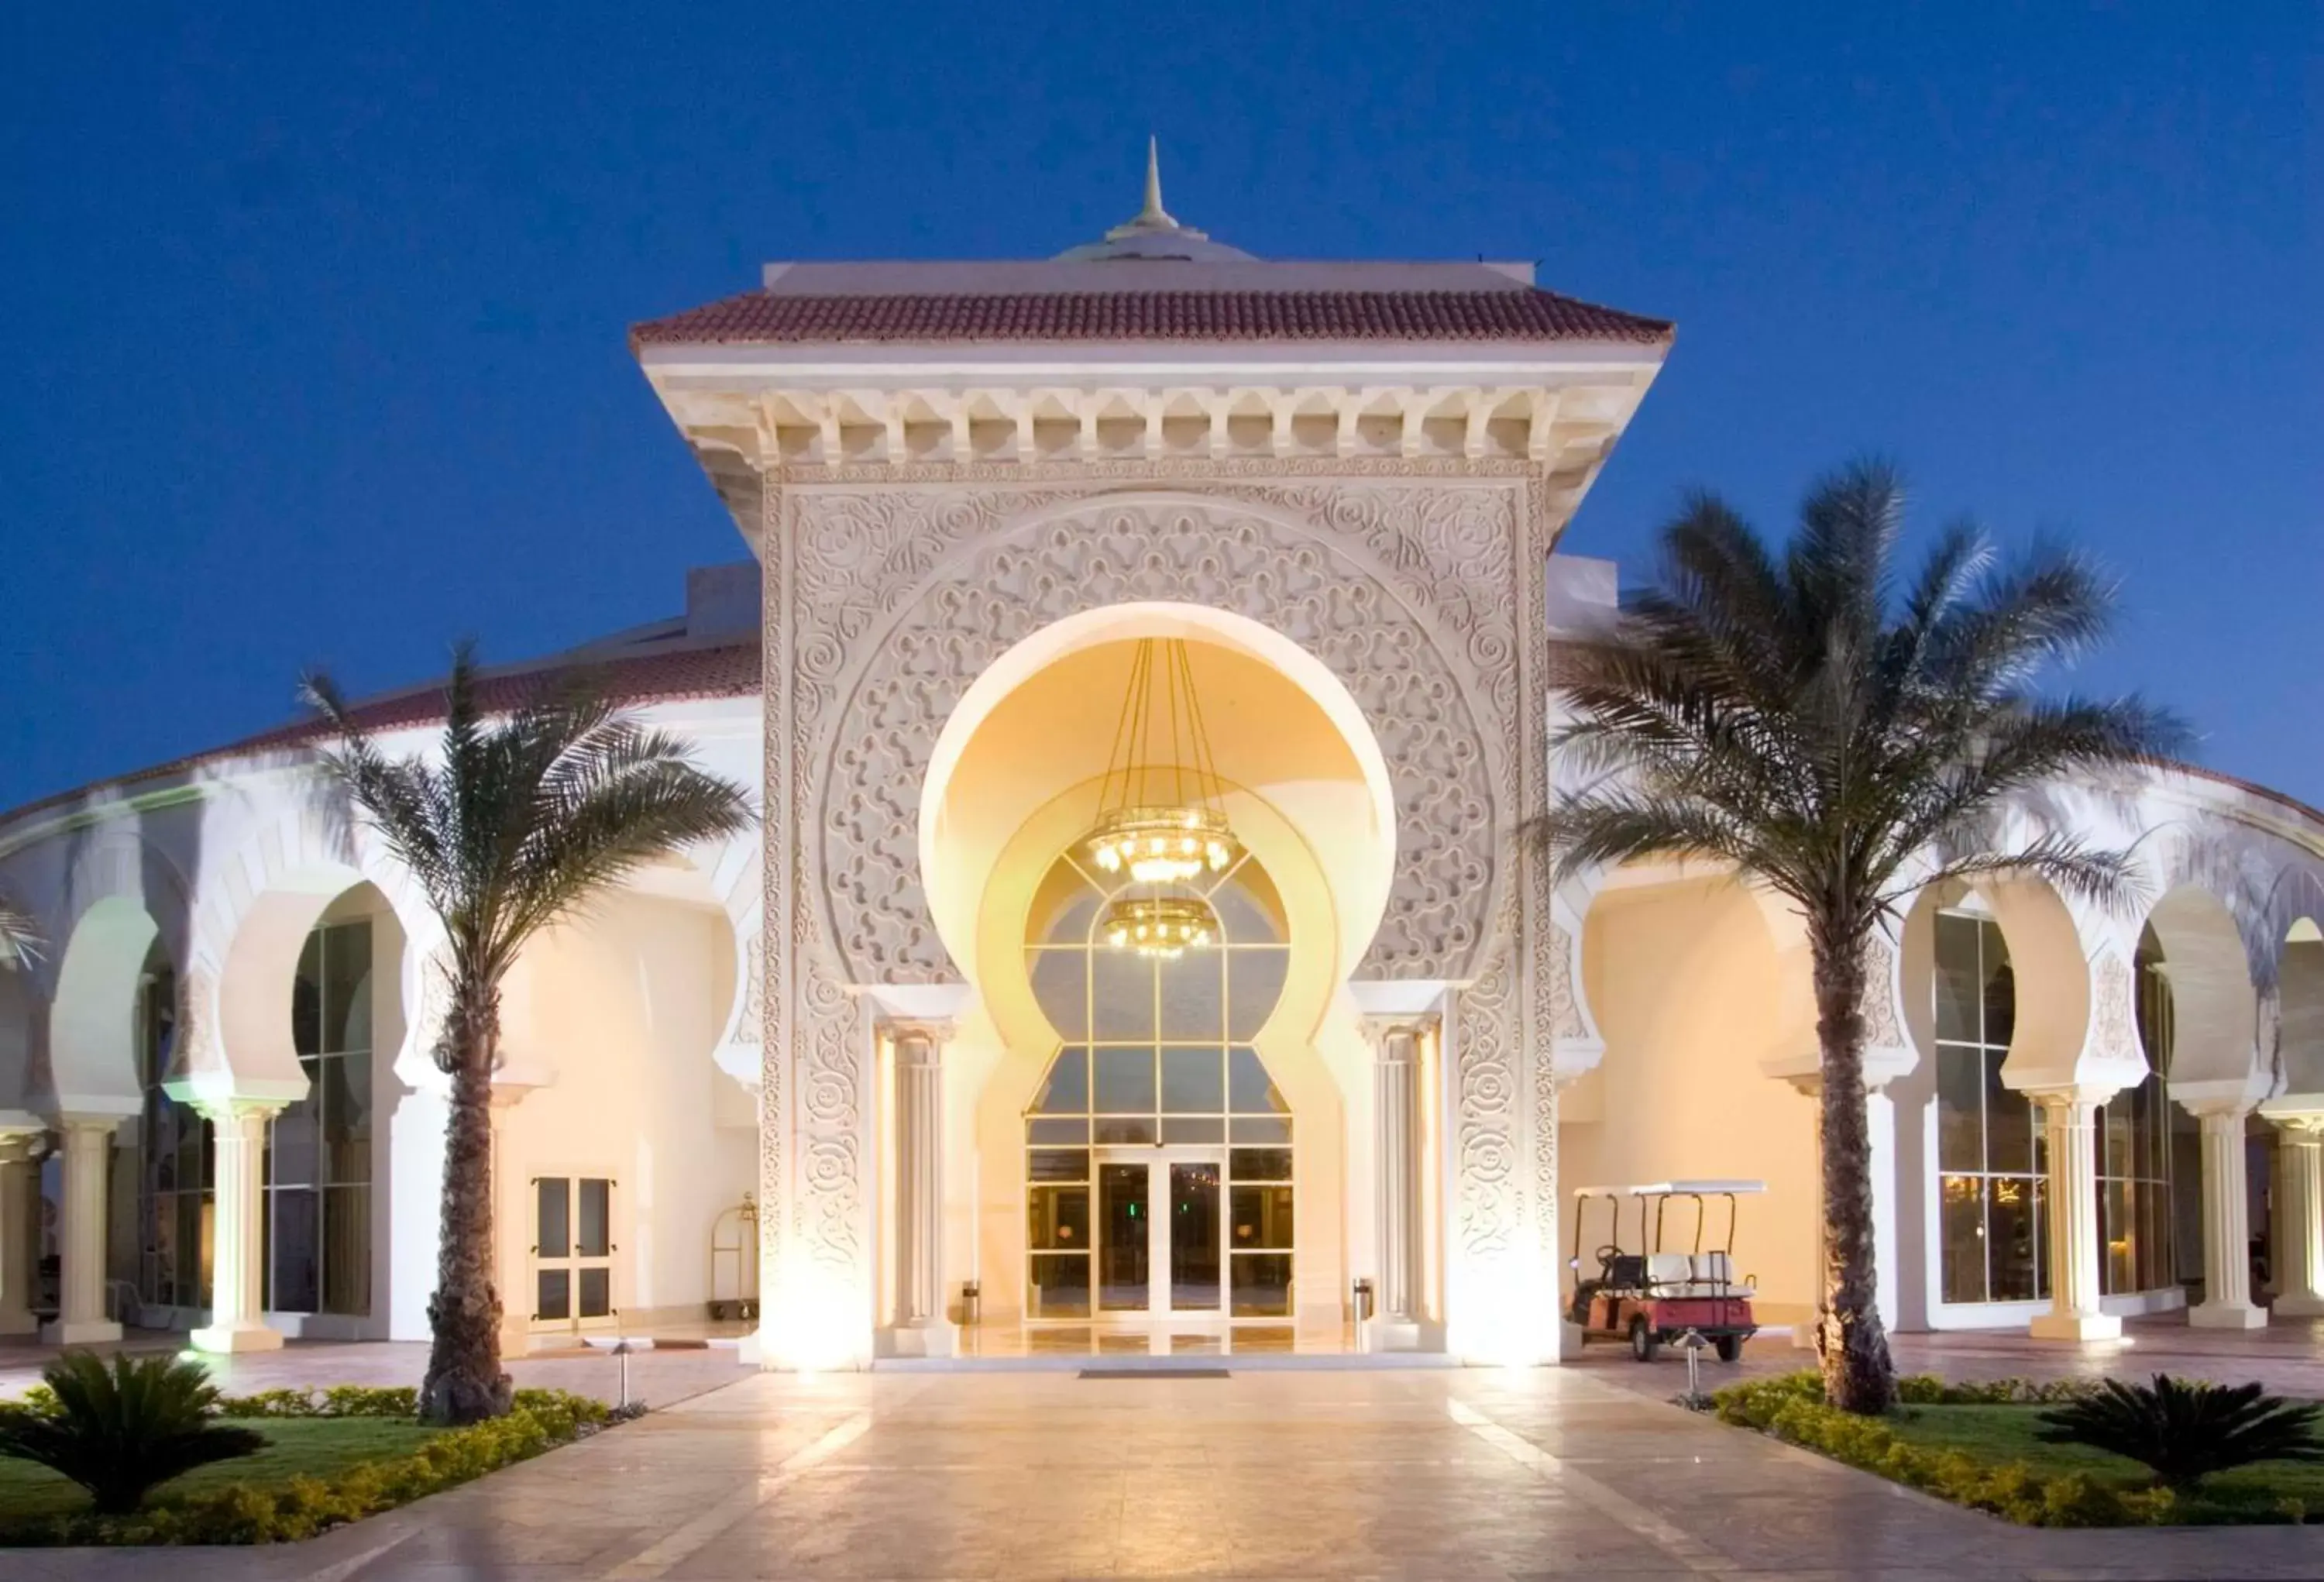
1857	1375
464	1382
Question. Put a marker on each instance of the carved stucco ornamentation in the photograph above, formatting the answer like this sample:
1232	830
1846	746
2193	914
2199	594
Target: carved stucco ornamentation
1002	586
196	1049
425	1030
884	603
748	1029
1564	1007
776	877
2114	1027
1878	1006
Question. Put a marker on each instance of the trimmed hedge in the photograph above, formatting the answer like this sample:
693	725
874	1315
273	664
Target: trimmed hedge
1791	1409
540	1419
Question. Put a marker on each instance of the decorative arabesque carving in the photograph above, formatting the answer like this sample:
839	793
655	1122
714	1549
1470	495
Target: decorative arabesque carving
1877	1008
884	603
1565	1006
748	1025
194	1051
2114	1025
1007	585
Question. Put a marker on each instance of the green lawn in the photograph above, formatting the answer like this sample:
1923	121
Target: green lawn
2000	1434
317	1447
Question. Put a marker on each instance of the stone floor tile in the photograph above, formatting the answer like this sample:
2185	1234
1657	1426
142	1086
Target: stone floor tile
1547	1473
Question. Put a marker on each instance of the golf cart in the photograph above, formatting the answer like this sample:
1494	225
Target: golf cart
1650	1297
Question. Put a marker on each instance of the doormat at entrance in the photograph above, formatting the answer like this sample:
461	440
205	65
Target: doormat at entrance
1155	1374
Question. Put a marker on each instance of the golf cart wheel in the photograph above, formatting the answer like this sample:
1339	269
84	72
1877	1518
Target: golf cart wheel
1643	1341
1730	1347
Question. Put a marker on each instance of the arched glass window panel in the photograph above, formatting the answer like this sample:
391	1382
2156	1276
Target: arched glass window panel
1156	1051
2134	1149
1061	988
1989	1153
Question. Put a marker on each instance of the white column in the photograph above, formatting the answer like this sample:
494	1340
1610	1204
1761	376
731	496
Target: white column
2069	1126
920	1327
2227	1221
16	1236
1399	1320
80	1299
238	1287
2299	1219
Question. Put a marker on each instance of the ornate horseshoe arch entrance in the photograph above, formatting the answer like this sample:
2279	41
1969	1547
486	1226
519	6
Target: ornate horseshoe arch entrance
885	606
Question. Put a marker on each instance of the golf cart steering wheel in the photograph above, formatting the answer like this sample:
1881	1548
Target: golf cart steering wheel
1608	1254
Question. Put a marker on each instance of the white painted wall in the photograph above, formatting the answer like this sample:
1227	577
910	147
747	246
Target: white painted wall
1681	978
619	1012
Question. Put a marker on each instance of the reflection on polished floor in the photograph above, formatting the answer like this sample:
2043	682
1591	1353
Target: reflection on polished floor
1158	1337
1474	1474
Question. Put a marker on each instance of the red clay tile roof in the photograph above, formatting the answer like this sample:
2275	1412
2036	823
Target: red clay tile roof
776	318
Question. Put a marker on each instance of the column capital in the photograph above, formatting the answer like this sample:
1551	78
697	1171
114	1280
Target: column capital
2300	1116
20	1134
2078	1096
1382	1029
206	1090
82	1123
892	1003
930	1033
225	1109
2233	1097
2221	1112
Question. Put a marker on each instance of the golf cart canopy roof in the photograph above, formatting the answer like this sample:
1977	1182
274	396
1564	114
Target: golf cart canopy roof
1672	1188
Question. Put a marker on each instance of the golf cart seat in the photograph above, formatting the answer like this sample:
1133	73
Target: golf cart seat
1669	1273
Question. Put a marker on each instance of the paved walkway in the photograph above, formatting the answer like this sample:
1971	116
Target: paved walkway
1467	1474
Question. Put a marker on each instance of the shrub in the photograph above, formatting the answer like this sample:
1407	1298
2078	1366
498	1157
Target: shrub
2185	1431
1792	1408
303	1507
339	1400
1928	1390
118	1431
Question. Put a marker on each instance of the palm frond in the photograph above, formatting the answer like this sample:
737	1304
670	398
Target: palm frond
1828	724
521	817
121	1429
2106	878
1829	727
20	937
2184	1431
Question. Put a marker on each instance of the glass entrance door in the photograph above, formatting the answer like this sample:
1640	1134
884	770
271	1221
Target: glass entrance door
1125	1246
1161	1243
1193	1233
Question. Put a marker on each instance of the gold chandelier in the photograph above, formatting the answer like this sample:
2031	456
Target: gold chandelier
1160	823
1167	926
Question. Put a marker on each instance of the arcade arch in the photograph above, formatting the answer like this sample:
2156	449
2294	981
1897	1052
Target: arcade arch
1015	783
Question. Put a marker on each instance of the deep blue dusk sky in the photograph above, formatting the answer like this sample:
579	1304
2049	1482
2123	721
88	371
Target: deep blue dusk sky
317	319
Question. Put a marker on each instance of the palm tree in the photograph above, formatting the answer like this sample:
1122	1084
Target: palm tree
20	937
523	820
1843	740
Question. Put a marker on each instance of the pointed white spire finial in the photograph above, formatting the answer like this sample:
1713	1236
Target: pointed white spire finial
1153	217
1154	214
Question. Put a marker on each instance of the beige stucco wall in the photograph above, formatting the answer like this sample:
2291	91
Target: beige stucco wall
619	1012
1683	979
